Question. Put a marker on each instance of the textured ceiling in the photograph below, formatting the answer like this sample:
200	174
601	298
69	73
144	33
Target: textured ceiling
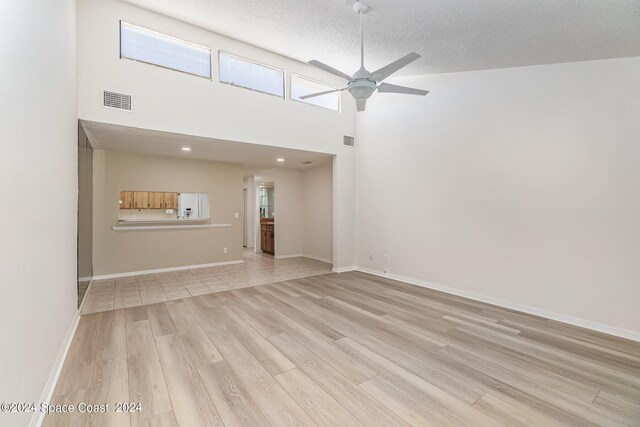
253	157
451	35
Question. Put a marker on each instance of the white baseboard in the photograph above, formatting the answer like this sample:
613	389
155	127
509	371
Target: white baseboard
85	279
583	323
317	258
288	256
165	270
343	269
38	417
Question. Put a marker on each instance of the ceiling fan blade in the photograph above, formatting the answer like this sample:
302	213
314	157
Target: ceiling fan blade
361	104
311	95
387	70
329	69
389	88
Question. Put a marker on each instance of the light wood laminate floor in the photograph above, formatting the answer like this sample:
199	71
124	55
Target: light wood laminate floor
345	349
257	269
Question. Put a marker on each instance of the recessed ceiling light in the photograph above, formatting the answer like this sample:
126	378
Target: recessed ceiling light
280	159
186	149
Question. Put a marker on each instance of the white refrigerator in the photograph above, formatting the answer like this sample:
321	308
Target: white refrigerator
193	206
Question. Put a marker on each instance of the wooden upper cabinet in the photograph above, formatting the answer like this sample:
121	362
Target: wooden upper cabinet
148	200
170	200
126	200
156	200
141	199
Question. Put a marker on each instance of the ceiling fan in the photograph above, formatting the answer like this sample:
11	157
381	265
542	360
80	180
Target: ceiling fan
363	83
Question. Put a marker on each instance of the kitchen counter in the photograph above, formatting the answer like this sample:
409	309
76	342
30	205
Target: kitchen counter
167	225
163	221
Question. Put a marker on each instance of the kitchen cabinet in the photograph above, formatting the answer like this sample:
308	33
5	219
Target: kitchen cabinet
126	200
141	200
170	201
156	200
267	238
148	200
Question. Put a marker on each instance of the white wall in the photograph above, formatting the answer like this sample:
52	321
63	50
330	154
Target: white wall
116	252
518	185
38	175
317	212
297	217
170	101
288	208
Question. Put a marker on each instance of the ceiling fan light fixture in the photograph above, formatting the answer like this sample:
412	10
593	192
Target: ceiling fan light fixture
362	89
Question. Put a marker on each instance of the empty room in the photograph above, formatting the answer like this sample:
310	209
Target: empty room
312	212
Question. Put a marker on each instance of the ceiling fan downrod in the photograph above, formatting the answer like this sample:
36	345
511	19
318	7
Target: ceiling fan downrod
361	8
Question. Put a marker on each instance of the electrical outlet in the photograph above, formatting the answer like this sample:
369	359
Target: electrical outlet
370	257
236	215
225	250
386	259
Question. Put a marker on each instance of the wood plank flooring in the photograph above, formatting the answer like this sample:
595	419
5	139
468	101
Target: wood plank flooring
346	349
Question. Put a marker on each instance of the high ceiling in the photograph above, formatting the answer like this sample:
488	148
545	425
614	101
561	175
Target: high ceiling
451	35
253	157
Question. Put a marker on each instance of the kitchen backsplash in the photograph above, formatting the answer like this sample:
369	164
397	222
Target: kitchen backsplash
147	214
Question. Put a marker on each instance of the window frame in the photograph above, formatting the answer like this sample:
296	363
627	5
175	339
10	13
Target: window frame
210	50
282	70
302	101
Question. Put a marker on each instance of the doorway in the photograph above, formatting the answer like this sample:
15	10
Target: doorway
245	236
85	214
266	212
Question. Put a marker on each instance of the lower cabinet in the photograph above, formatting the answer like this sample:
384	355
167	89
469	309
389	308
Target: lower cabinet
267	238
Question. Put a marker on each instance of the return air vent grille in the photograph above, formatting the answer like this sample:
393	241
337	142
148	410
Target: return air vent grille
116	100
349	141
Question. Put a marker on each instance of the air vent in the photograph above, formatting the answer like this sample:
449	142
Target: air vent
306	162
349	141
116	100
